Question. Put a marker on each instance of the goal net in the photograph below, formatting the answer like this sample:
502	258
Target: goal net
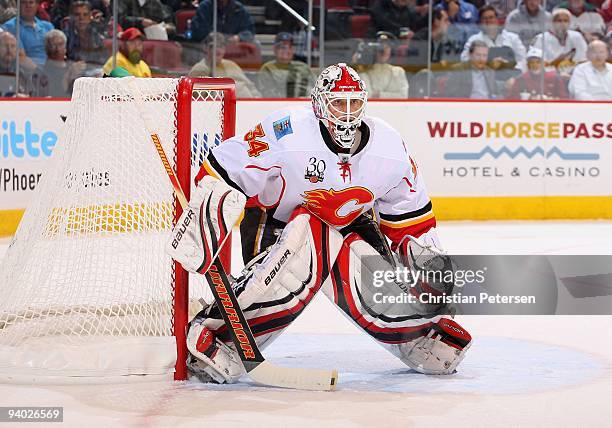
86	289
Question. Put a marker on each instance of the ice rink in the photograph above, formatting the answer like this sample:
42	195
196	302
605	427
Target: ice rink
520	371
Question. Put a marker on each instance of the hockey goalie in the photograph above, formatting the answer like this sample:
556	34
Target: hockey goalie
323	191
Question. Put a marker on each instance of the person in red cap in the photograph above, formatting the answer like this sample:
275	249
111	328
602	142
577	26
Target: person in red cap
129	55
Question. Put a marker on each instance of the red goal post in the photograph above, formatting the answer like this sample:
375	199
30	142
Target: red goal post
188	93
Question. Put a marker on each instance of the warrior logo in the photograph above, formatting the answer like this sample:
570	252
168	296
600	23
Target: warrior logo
337	207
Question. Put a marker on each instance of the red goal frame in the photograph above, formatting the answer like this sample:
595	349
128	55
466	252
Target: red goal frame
184	101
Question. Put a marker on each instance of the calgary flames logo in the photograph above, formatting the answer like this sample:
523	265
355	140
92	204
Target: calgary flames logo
337	207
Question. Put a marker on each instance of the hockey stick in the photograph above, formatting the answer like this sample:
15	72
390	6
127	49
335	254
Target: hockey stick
258	369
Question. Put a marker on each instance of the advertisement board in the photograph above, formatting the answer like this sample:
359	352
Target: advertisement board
484	160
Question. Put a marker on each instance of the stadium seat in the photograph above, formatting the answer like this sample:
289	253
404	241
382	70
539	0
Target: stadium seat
333	4
360	25
362	6
162	54
181	17
246	55
108	44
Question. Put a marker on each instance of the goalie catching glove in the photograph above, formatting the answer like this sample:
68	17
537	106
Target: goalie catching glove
205	224
433	270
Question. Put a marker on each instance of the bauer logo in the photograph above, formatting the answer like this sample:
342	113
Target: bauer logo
182	228
278	266
21	140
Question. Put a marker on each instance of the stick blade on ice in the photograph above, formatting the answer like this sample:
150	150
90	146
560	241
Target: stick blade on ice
296	378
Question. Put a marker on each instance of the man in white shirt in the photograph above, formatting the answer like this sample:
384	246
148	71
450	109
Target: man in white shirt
494	36
563	48
593	79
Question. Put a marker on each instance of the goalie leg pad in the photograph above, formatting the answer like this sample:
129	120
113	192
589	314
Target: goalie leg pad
212	360
384	319
205	224
440	352
397	326
278	289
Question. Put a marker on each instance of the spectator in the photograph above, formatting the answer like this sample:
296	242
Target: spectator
444	51
102	12
8	56
176	5
494	36
562	47
59	74
504	7
85	41
141	14
288	24
224	67
43	10
31	34
467	13
396	17
458	32
283	77
584	18
8	10
232	19
8	53
473	79
130	54
382	79
528	20
593	79
529	84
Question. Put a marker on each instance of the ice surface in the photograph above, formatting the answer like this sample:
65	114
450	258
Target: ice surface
529	370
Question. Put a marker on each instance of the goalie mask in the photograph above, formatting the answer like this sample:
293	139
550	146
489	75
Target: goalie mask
339	97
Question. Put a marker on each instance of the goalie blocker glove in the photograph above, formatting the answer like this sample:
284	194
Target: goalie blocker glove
205	224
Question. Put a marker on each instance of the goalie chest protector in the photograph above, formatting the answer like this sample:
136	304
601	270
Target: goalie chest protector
289	160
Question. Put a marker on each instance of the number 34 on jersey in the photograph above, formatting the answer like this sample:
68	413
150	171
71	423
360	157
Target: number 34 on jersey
256	146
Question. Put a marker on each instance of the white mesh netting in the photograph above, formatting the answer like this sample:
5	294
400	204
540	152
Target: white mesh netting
86	288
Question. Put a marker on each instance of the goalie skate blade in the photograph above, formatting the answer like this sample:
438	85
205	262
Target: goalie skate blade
295	378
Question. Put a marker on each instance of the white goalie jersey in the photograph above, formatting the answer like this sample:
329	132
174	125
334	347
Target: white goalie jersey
308	226
290	160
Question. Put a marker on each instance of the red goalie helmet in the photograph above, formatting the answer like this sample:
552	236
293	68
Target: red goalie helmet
339	97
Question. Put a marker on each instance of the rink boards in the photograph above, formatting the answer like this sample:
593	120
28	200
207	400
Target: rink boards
480	160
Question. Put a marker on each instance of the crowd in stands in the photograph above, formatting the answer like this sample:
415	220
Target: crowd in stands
480	49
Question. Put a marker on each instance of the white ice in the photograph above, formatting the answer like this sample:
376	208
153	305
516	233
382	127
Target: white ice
521	371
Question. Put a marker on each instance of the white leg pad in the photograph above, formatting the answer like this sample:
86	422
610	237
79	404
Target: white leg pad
278	290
